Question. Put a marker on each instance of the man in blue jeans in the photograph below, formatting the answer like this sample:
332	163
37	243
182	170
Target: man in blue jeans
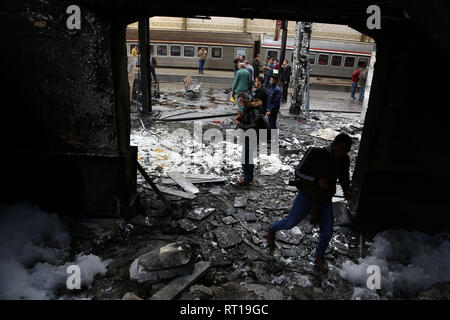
316	178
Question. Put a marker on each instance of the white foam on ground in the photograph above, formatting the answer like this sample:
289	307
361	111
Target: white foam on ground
410	262
33	248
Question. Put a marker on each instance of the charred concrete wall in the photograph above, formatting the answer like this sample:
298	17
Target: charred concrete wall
65	117
403	167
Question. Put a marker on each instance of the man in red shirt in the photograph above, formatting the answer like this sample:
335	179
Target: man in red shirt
355	79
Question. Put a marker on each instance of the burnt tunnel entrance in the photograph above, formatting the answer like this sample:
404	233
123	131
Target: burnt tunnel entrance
66	116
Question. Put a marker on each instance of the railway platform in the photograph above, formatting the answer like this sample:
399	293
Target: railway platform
226	77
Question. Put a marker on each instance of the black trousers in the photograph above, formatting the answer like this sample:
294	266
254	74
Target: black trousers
285	91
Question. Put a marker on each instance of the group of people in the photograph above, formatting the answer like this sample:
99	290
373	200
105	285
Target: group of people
359	77
262	82
319	170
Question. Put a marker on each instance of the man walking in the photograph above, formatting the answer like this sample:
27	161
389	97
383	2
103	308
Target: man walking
241	83
285	78
362	83
202	55
355	79
273	103
316	178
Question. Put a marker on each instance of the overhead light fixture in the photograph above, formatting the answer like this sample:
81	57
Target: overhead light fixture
202	17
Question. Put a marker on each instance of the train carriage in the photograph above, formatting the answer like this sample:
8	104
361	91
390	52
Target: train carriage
178	49
328	58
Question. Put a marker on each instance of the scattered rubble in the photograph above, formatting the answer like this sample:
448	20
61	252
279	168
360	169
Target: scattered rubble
165	262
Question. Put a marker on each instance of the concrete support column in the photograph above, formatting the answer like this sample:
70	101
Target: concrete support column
302	42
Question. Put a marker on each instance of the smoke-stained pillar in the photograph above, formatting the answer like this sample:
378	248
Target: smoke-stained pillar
301	50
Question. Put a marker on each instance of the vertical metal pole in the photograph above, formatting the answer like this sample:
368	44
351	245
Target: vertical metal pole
283	41
145	64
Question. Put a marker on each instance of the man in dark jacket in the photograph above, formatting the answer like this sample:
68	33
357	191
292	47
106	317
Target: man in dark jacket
253	120
316	178
273	102
285	78
261	95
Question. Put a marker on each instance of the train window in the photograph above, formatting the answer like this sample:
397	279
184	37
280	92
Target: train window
175	51
362	62
216	52
161	49
272	54
336	61
188	51
312	58
349	62
323	59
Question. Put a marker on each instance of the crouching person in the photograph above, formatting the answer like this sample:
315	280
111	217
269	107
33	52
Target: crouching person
316	178
251	119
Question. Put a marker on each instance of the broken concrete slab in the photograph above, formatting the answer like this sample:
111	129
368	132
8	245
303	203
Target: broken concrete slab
200	213
292	236
182	194
130	296
227	237
229	220
187	225
264	291
201	290
327	134
256	240
178	285
182	182
240	201
250	217
164	262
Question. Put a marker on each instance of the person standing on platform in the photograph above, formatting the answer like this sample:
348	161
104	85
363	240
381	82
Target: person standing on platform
285	78
362	83
257	66
153	67
355	79
241	83
273	102
269	69
134	51
250	69
202	55
236	63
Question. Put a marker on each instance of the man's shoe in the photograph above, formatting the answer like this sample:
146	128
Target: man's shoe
271	239
241	182
321	264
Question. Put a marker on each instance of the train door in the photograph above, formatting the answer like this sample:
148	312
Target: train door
272	53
